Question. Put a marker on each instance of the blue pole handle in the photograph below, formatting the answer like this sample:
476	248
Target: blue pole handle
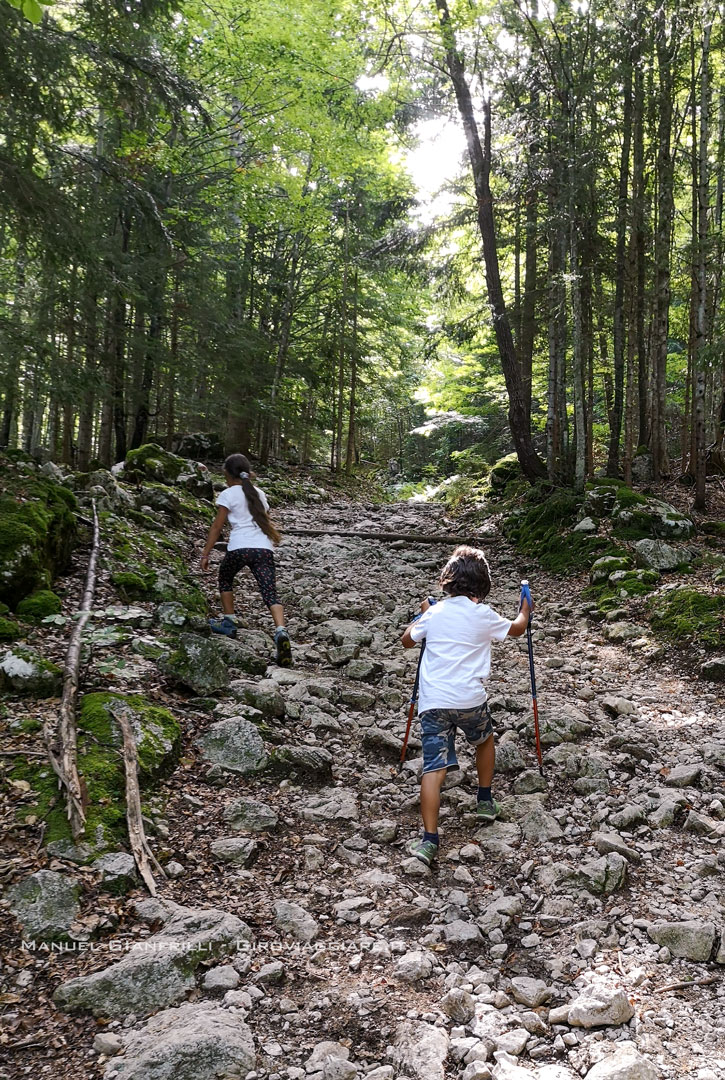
526	595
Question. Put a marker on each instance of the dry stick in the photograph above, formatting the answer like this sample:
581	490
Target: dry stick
145	859
410	538
687	983
65	766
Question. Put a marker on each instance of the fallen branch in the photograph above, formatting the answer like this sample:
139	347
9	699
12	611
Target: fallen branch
442	538
145	859
687	983
64	758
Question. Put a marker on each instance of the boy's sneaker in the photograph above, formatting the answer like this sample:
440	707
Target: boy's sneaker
224	626
284	648
424	850
488	810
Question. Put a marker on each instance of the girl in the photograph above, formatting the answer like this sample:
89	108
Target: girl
251	543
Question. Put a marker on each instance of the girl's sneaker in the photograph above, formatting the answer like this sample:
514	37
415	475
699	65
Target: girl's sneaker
424	850
224	626
284	647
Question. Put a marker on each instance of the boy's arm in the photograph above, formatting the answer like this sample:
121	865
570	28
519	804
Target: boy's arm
518	626
408	641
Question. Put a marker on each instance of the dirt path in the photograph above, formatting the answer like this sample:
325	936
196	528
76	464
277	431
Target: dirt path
562	890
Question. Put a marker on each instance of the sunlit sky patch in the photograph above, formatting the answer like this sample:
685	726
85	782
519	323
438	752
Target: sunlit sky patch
433	163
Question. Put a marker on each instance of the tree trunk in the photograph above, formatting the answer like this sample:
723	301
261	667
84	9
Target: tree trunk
619	275
350	454
480	159
703	200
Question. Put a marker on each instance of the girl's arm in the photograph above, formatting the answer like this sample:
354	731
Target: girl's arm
214	533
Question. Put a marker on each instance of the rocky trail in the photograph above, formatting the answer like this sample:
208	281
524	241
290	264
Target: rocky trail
294	938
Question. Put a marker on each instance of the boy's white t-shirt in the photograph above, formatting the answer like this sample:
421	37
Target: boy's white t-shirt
457	658
245	533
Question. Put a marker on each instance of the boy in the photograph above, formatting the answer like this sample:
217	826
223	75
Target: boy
457	660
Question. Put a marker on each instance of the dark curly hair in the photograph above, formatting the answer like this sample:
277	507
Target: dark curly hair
466	574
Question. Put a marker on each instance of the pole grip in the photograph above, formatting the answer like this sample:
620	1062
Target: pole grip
526	595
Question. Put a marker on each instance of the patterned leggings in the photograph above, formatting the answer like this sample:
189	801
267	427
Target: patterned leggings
260	561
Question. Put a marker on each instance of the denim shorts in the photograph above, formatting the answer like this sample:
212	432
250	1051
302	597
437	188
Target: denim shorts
438	727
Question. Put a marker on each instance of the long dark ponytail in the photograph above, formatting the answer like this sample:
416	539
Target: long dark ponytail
238	467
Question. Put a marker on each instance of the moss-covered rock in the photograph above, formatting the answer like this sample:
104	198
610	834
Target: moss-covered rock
8	629
504	471
152	462
100	764
39	605
609	564
37	531
687	616
637	518
541	526
197	663
134	586
25	672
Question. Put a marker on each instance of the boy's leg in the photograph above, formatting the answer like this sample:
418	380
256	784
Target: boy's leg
485	762
478	729
430	799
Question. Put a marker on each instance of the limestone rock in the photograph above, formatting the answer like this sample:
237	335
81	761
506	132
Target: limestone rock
238	850
45	904
223	977
24	671
118	872
563	723
531	992
295	921
421	1050
413	966
250	815
625	1063
314	762
196	1040
263	695
693	940
161	973
459	1005
330	804
235	744
600	1005
657	555
198	663
714	669
607	565
605	875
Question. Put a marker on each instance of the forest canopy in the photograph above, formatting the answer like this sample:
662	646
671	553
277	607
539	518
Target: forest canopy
211	221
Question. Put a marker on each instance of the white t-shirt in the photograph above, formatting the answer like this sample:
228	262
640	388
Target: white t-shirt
245	533
457	658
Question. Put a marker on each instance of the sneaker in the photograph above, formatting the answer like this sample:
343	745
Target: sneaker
224	626
488	810
284	648
424	850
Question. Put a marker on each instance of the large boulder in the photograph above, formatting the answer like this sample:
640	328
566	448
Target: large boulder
200	446
250	815
152	462
600	1005
25	672
45	904
313	762
197	1039
713	670
657	555
235	744
692	940
198	663
650	517
563	723
608	564
161	972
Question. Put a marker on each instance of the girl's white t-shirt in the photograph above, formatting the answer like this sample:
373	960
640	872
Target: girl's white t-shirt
245	533
457	658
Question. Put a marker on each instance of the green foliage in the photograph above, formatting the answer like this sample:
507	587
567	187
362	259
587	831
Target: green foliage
687	616
39	605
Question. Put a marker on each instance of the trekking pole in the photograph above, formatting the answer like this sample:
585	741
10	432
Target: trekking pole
526	595
411	709
414	695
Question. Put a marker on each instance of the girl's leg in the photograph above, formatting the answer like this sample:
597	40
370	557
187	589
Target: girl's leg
227	602
277	613
262	566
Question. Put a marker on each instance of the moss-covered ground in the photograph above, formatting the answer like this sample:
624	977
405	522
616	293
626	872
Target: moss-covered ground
100	765
688	616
